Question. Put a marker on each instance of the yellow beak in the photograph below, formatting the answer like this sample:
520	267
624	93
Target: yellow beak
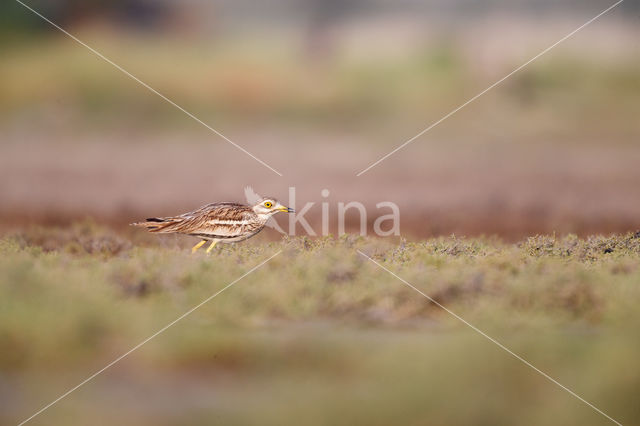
286	209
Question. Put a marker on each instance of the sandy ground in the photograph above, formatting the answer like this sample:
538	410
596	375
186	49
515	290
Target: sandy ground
441	187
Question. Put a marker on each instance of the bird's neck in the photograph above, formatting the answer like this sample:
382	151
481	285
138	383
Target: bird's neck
263	218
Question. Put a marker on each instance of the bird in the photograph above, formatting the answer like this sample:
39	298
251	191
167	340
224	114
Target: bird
218	222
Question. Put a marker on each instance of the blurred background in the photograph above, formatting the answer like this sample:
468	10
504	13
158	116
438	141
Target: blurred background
319	90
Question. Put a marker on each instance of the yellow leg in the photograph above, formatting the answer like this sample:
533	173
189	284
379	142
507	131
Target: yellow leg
213	243
197	246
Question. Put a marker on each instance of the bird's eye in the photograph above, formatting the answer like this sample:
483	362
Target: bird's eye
268	204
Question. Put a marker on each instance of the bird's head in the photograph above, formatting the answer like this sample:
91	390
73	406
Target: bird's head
270	206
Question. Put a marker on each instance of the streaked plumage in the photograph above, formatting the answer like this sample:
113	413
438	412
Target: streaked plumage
218	222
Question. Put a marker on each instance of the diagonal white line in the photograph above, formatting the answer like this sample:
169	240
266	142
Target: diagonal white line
128	74
500	345
490	87
147	339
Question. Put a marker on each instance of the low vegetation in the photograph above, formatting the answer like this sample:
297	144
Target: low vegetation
319	333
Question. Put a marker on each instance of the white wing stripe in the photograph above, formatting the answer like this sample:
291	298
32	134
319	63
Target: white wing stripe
215	222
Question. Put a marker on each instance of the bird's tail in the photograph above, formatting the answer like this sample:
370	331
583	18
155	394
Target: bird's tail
159	224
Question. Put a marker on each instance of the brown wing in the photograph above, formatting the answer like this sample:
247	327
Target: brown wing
217	220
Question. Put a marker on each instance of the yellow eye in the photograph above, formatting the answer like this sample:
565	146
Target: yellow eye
268	204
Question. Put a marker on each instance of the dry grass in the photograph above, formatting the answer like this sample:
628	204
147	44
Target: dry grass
319	331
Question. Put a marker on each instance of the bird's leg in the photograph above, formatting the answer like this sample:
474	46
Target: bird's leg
213	243
197	246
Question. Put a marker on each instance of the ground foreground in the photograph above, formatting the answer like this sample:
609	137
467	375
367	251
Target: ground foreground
319	334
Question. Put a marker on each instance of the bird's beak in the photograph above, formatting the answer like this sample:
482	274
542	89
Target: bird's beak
286	209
